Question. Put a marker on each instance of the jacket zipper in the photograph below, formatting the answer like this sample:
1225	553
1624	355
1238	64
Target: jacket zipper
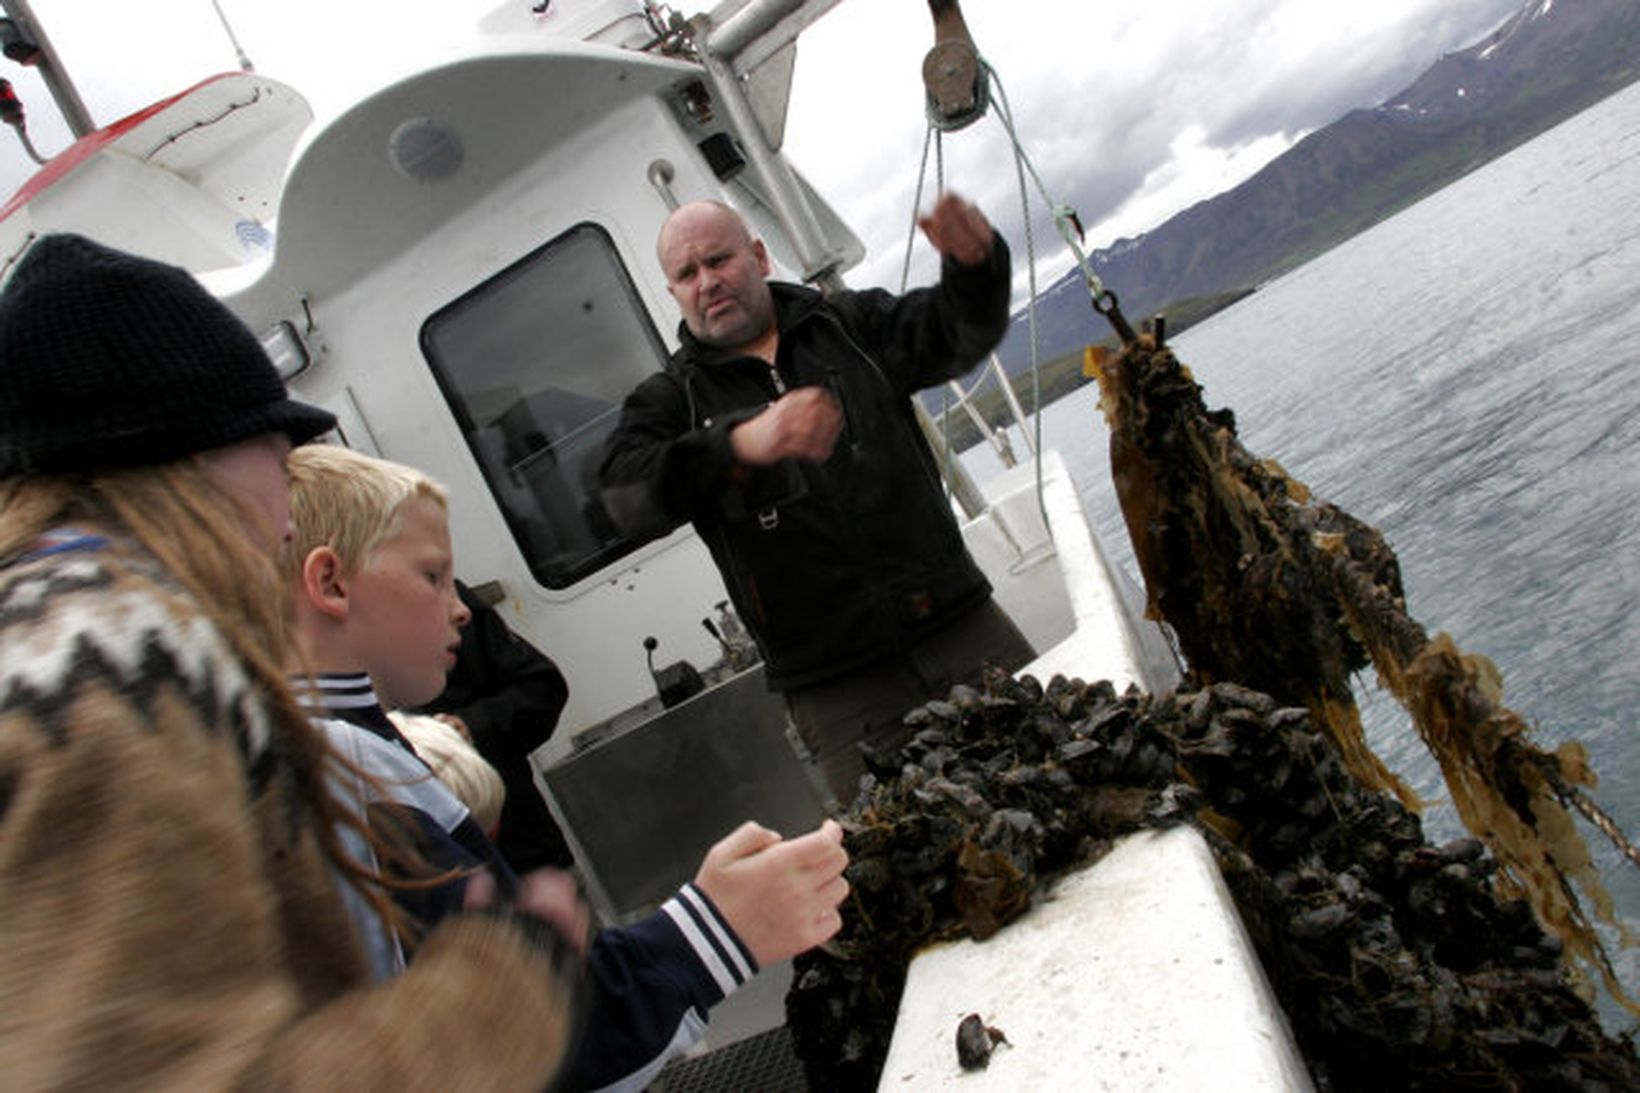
768	519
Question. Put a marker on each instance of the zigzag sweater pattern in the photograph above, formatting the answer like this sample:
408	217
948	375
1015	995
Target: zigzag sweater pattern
170	920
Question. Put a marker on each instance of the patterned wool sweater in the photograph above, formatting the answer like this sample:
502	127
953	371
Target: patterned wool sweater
167	918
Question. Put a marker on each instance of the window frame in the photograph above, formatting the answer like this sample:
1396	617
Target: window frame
611	551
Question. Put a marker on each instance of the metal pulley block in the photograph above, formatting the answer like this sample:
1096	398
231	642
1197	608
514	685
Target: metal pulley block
953	74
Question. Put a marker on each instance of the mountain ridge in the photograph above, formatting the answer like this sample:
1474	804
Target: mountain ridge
1544	63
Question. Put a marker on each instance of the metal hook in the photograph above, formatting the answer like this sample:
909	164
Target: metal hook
1106	304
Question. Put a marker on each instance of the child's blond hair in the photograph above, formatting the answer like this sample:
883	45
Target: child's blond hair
350	502
457	763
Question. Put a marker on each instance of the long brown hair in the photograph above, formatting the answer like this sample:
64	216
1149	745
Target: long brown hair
195	530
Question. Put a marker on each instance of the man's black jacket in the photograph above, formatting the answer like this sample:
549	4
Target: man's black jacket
831	565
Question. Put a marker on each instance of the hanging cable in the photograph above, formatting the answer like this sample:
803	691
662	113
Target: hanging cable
932	140
916	203
988	89
1065	218
1021	163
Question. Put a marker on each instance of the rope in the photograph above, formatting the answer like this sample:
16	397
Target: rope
1065	220
931	139
916	203
1022	164
1063	215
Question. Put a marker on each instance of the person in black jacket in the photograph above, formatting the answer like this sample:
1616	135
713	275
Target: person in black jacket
507	695
783	429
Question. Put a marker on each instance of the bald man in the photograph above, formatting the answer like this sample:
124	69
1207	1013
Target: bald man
783	430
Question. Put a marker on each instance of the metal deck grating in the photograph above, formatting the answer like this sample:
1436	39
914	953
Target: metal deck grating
763	1063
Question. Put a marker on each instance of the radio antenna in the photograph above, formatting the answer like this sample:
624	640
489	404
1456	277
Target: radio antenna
244	61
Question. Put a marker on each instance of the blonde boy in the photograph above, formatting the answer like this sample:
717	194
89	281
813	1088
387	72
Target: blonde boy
378	618
372	560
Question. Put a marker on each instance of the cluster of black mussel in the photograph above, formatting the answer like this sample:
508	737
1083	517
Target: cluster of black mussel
1396	965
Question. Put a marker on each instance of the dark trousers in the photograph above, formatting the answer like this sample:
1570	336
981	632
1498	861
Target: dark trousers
869	704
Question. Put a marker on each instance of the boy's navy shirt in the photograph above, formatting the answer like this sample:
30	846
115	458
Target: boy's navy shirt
459	849
653	981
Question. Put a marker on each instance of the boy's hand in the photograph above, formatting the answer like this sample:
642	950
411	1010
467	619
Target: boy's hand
550	895
457	724
779	896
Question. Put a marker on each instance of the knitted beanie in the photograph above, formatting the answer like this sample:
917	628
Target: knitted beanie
109	360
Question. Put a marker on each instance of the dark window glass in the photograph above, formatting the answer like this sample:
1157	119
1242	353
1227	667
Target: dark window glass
535	363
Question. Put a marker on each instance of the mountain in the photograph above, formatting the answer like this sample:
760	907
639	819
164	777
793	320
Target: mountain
1548	61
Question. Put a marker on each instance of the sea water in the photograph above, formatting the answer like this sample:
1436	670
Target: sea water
1465	376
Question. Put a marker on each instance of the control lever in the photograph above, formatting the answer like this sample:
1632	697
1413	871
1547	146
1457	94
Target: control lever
738	648
675	682
711	628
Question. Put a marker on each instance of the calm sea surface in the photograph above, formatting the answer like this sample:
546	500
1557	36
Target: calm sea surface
1466	377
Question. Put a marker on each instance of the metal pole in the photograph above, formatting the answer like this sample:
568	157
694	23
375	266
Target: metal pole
1013	402
51	70
739	30
997	438
783	191
967	494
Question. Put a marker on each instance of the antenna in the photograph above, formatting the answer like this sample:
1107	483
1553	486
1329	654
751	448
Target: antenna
244	61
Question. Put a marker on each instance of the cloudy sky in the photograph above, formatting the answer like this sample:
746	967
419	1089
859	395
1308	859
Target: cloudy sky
1129	112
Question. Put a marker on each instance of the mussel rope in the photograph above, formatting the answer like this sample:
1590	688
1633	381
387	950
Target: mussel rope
1189	482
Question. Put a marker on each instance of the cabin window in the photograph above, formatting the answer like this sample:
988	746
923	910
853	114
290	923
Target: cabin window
535	363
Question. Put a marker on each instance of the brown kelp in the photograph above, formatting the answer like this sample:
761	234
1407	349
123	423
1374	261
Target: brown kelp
1269	588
